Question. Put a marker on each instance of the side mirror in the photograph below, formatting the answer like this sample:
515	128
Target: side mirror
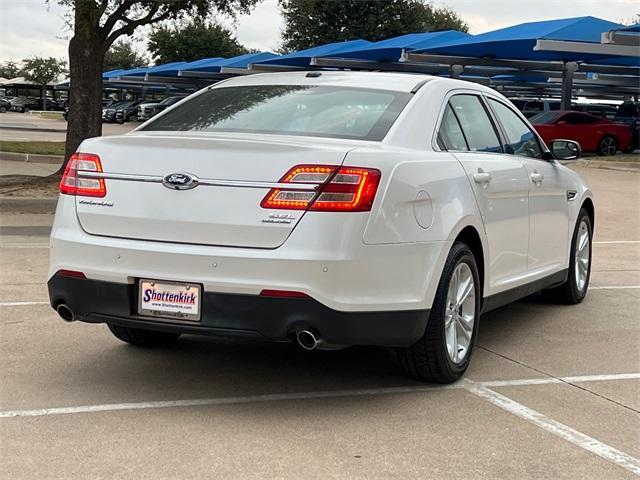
565	149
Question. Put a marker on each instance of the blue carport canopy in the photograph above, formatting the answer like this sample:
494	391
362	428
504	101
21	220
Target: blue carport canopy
390	50
215	65
166	69
302	58
518	42
112	73
132	72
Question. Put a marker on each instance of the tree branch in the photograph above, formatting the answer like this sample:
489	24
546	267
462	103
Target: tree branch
117	15
131	25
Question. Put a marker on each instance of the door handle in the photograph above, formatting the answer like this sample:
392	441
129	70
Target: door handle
482	177
537	178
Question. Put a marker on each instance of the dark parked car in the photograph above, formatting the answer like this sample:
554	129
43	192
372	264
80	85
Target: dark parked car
109	113
4	105
23	104
629	113
148	110
127	113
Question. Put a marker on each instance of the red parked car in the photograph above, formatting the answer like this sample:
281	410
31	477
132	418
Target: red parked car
594	134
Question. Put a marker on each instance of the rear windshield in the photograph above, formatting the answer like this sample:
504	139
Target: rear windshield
319	111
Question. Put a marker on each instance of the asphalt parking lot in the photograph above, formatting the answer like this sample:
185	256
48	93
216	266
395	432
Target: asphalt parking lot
552	391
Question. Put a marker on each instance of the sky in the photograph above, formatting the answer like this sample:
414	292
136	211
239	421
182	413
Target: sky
37	28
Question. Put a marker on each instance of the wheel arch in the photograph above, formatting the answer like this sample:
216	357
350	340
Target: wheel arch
587	204
470	236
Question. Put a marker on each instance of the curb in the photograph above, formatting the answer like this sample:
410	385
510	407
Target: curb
622	166
32	129
31	157
28	204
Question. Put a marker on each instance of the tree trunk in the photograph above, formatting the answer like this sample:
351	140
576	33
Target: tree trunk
43	98
86	56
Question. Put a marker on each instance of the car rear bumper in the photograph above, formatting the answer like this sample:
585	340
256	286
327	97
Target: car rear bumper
239	315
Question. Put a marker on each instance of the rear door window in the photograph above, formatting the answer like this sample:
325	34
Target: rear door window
478	128
450	136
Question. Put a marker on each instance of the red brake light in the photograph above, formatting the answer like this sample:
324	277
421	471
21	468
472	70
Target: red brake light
71	273
340	189
283	294
70	184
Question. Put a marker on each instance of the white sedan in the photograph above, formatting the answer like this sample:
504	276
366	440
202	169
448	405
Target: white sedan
327	208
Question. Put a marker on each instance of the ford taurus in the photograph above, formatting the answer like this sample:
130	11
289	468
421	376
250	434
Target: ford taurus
326	208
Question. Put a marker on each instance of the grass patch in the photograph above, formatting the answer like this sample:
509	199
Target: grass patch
620	157
44	148
51	115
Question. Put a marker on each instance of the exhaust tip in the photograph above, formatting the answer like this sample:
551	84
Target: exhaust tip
308	340
65	313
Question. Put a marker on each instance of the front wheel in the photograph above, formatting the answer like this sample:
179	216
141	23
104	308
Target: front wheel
574	289
443	353
144	338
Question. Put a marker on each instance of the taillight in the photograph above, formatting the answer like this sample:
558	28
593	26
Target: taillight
71	184
339	189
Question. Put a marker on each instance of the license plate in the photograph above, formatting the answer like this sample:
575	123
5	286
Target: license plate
169	299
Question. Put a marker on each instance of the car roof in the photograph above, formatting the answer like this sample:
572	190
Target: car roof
402	82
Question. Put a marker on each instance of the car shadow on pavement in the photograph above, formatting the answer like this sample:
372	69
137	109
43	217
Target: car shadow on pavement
206	367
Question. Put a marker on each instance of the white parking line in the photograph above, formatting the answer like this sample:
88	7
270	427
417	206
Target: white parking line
616	287
480	389
561	430
552	380
109	407
613	242
21	304
304	395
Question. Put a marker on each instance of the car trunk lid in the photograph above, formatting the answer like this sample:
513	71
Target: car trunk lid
233	174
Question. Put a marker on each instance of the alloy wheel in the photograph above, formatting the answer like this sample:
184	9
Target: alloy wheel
608	146
582	256
460	313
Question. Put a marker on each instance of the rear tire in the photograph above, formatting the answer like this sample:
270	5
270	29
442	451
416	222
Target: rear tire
608	146
144	338
436	357
574	289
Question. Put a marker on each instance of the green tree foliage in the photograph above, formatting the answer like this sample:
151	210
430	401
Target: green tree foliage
9	70
308	23
96	25
122	55
192	40
43	71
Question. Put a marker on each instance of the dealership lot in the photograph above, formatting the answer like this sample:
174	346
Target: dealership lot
552	392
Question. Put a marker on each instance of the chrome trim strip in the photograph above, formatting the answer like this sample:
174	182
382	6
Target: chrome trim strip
210	182
120	176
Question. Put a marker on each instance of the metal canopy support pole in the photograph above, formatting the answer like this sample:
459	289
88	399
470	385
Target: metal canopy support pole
567	84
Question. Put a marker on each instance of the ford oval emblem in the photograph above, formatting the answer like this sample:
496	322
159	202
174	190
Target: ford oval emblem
180	181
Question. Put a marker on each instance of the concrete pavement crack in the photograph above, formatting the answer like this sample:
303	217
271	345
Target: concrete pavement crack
559	379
